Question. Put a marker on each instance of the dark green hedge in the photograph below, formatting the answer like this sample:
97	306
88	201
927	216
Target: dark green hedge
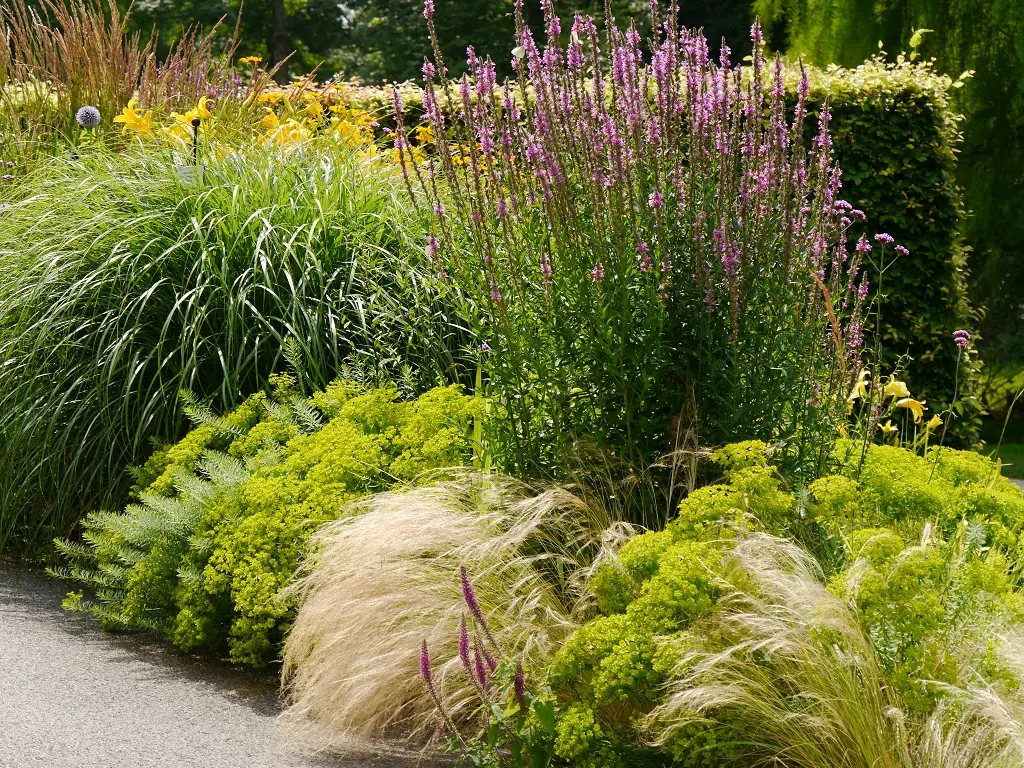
896	138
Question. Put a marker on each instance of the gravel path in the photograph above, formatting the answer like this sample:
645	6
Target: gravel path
1018	481
74	696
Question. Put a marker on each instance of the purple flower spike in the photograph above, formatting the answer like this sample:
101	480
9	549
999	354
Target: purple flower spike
464	643
520	681
597	273
482	675
961	338
428	9
425	672
469	595
492	663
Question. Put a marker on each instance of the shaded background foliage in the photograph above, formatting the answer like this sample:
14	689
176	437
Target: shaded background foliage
387	39
896	140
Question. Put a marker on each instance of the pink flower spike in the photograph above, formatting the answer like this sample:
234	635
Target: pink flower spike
425	671
464	643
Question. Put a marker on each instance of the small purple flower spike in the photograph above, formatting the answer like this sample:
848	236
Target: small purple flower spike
469	595
961	338
464	643
520	681
425	672
482	675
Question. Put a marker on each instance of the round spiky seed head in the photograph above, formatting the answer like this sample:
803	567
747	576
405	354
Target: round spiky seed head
88	117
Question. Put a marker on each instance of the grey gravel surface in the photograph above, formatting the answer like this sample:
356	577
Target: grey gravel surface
74	696
1018	481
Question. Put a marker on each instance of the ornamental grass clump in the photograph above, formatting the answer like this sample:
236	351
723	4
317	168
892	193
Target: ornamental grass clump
651	245
125	286
385	577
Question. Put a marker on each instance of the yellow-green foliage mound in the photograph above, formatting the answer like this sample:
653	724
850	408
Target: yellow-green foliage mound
223	516
919	549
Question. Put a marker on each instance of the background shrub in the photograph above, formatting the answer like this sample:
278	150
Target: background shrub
896	138
203	561
125	286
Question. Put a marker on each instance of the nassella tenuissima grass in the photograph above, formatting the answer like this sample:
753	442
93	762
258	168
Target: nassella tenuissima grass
124	286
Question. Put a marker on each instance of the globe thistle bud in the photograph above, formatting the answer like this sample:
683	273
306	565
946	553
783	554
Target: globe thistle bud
88	117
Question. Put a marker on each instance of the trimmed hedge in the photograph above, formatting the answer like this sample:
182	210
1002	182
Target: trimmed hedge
896	139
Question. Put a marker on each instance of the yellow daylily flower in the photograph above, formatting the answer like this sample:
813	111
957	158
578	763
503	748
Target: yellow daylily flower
860	388
888	428
290	132
843	431
934	422
270	121
250	60
270	97
896	389
917	407
131	120
314	110
349	134
200	111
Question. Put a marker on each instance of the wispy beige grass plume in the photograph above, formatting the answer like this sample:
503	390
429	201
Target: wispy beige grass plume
793	671
385	577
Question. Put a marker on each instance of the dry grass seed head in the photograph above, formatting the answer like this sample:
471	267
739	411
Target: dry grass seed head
386	576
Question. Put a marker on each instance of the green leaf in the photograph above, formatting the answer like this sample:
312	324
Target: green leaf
492	735
545	712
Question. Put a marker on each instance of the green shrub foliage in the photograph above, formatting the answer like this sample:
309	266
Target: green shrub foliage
223	515
921	547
